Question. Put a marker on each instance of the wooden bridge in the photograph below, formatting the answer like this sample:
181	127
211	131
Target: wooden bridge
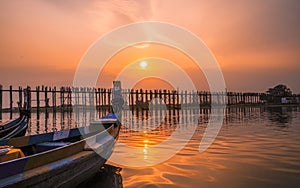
64	98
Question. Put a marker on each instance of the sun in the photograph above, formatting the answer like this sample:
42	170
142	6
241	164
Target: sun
143	64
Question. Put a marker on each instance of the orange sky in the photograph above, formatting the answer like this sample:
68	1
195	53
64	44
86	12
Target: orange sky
133	56
256	42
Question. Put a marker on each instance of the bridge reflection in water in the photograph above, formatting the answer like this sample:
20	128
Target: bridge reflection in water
156	119
255	145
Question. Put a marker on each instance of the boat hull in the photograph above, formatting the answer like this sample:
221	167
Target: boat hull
14	128
67	172
65	166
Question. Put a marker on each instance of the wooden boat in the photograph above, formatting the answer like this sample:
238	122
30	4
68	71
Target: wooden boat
58	159
14	128
17	127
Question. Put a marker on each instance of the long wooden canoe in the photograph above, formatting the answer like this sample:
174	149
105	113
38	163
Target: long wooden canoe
17	127
59	159
14	128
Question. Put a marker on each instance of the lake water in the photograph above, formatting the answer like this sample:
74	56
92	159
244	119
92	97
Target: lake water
256	147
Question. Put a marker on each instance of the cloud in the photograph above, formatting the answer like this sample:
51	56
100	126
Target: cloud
108	14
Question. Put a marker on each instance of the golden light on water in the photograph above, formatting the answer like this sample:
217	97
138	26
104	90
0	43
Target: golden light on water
145	151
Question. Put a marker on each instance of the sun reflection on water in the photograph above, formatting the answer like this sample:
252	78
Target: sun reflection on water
244	151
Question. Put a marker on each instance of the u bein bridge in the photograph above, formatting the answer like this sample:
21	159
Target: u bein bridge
53	108
64	98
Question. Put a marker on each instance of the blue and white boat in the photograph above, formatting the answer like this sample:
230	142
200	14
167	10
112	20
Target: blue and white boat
57	159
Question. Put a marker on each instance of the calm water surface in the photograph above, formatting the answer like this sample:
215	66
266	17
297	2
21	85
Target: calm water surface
256	147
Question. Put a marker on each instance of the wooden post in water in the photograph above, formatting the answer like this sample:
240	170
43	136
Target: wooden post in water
91	97
109	99
42	92
151	97
38	99
46	98
206	98
173	97
104	97
177	103
192	98
100	97
69	98
256	98
29	97
10	101
62	97
96	97
75	92
137	99
146	99
66	98
249	98
169	98
20	96
159	96
180	99
229	94
131	99
155	96
240	98
185	98
199	98
163	95
104	102
142	97
54	99
1	97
